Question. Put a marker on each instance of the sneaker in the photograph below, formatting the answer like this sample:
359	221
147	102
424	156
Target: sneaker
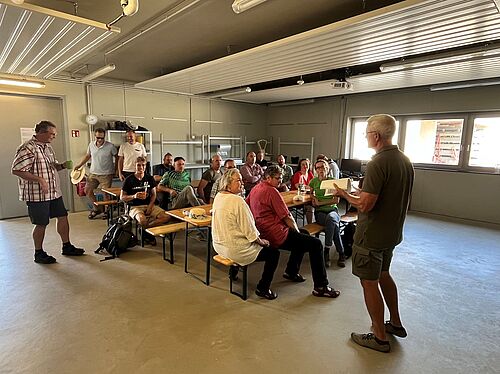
371	341
297	278
399	331
41	257
326	254
267	294
326	291
341	261
71	250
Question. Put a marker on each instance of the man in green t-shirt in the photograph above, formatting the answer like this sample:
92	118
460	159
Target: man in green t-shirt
178	184
382	205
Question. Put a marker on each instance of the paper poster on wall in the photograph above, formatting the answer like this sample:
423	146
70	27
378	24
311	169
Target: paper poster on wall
26	133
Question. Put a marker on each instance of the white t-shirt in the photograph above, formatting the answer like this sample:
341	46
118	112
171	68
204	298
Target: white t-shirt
233	229
130	152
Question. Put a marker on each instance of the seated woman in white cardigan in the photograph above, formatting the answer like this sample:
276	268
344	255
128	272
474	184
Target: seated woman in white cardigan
235	235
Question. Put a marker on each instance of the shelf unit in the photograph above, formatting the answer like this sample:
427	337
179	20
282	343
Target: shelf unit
200	143
310	144
117	138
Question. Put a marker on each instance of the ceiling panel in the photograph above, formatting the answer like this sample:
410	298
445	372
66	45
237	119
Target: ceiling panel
407	28
39	42
463	71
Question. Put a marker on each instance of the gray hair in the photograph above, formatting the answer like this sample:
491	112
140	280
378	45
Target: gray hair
273	171
227	178
43	126
383	124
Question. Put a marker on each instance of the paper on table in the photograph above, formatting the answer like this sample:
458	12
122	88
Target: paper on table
343	183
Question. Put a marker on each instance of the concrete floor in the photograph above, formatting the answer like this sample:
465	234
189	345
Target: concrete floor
139	314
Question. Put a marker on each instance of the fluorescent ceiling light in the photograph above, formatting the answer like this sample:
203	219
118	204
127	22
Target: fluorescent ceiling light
230	92
121	116
442	58
242	5
169	119
458	85
22	83
293	102
104	70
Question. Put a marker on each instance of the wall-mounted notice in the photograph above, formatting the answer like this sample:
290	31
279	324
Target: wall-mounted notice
26	133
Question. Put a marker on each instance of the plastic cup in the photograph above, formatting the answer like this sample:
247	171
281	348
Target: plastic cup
68	164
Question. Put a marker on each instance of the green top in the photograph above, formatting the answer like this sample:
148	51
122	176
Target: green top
390	176
320	195
176	180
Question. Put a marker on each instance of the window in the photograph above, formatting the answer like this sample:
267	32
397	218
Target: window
463	141
360	150
434	141
484	150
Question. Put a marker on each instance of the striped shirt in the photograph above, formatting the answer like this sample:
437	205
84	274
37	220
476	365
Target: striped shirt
38	159
176	180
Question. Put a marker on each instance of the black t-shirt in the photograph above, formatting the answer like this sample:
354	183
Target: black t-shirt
131	185
263	163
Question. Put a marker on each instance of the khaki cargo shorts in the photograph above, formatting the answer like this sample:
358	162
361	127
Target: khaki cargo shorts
135	210
368	263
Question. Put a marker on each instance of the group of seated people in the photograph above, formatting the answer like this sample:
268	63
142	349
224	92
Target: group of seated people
245	230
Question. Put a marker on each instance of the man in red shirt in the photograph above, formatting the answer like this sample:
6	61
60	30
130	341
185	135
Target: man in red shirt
276	224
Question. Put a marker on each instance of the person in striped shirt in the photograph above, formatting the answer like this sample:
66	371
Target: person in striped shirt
178	184
36	167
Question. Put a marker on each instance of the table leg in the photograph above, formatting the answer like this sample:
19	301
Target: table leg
209	253
186	250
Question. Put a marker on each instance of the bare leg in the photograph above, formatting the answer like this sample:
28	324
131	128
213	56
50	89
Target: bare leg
38	236
90	194
375	306
390	292
160	220
63	228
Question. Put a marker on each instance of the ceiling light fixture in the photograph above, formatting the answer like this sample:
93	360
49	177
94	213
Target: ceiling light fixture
300	82
21	82
230	92
442	58
470	84
242	5
104	70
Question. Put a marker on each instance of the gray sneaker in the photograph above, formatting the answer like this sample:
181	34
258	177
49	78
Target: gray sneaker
371	341
399	331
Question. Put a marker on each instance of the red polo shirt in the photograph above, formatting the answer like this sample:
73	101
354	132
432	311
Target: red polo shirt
269	210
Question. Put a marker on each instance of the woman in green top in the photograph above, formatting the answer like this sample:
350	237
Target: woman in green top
326	213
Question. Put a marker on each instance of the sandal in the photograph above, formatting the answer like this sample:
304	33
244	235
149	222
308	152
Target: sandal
326	292
93	214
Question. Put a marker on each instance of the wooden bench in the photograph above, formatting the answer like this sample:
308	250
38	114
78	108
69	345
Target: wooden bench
314	228
110	204
227	262
165	231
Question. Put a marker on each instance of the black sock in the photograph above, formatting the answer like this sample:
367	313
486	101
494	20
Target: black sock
38	250
67	244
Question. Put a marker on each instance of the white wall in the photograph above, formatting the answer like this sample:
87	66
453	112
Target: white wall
454	194
238	119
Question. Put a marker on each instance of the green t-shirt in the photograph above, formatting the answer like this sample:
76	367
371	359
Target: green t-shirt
175	180
320	195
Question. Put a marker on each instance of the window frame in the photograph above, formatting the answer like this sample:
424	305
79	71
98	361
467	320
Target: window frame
465	140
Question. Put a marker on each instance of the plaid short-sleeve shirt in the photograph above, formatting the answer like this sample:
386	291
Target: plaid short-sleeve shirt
38	159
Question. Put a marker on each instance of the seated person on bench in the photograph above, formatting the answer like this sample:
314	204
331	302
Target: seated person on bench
326	213
178	184
139	192
276	224
235	235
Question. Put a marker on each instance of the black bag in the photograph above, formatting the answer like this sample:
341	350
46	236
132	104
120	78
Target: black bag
347	238
117	238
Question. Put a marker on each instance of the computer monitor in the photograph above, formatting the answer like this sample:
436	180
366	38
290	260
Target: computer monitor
350	167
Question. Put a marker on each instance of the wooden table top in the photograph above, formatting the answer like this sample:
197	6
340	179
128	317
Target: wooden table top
179	214
113	191
290	202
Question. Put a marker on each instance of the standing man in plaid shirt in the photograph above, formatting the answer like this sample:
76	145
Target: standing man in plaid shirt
36	166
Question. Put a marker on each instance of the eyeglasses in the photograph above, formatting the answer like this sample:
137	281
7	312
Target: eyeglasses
320	168
369	132
279	178
239	180
99	137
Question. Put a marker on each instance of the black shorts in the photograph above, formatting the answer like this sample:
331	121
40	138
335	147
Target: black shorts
40	212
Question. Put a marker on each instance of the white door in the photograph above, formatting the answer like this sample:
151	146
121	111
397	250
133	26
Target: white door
18	111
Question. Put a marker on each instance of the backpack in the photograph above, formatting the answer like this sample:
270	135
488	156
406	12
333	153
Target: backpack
118	238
